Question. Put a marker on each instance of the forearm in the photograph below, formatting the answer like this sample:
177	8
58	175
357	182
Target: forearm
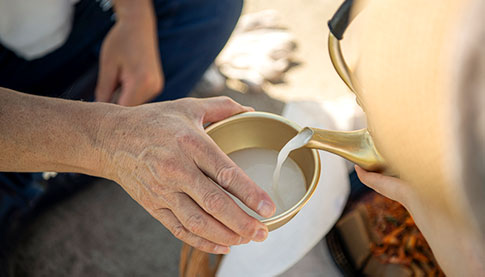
48	134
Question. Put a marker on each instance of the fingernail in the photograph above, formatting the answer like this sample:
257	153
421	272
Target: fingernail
265	208
222	249
260	235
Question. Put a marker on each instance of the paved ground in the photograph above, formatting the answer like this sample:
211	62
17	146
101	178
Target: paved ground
101	231
314	77
98	232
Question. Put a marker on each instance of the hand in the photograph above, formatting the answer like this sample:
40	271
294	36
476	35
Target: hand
160	154
130	61
457	250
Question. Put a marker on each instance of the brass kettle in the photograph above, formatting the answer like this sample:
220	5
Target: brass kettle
415	62
355	146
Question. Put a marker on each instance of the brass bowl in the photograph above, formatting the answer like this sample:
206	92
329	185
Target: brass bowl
269	131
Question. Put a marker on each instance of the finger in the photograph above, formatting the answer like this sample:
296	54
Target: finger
139	89
217	203
220	168
128	94
390	187
169	220
219	108
200	223
107	82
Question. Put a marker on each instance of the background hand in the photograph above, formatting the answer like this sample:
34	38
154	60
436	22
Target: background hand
163	158
446	235
130	61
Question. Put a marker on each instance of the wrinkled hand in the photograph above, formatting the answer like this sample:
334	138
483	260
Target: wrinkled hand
458	252
167	163
130	61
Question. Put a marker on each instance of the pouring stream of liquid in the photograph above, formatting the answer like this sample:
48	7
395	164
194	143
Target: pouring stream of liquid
296	142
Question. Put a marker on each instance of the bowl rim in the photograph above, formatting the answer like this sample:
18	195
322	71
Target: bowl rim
289	213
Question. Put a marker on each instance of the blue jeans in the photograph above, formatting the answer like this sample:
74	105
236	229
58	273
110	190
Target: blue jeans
191	33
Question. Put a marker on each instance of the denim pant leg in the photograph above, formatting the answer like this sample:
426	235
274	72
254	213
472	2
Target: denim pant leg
18	191
191	34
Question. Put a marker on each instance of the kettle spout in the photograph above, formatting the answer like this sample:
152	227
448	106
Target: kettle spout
355	146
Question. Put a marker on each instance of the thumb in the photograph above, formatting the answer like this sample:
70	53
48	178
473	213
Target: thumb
219	108
391	187
107	82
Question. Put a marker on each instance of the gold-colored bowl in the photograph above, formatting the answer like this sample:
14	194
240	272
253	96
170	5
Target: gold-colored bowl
269	131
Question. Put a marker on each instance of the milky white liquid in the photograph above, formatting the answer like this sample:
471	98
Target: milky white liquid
296	142
259	165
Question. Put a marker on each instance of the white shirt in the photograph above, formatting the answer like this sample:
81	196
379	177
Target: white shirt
33	28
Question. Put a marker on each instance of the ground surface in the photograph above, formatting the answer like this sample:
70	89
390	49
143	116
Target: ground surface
314	77
101	231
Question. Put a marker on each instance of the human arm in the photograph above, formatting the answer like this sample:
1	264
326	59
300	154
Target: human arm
48	134
159	153
129	57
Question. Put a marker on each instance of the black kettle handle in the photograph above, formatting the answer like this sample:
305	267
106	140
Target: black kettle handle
341	19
